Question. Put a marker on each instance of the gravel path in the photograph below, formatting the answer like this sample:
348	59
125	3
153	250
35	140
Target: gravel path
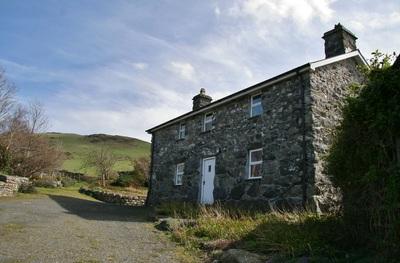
66	229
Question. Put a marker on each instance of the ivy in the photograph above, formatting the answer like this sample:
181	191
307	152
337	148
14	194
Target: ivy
363	160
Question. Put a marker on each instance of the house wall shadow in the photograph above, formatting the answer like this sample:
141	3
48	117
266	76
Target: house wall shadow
95	210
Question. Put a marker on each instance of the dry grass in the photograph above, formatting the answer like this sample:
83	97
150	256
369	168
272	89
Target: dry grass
291	235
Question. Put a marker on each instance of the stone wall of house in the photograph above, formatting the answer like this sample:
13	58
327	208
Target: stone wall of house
115	198
9	185
279	131
329	87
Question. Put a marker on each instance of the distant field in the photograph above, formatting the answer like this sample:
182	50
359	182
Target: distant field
77	146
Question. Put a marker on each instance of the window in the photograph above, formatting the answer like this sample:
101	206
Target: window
208	121
179	173
255	163
256	106
182	131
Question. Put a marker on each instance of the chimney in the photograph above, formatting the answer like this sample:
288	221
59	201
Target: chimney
201	99
339	41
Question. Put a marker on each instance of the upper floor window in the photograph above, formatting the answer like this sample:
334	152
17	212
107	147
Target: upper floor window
180	167
208	121
256	105
255	163
182	131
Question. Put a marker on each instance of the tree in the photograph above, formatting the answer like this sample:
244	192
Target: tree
25	152
30	152
7	98
141	166
103	160
363	158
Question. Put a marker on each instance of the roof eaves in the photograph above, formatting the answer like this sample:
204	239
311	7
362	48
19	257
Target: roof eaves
266	83
235	95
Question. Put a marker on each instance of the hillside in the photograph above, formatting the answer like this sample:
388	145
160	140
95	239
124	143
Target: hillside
77	146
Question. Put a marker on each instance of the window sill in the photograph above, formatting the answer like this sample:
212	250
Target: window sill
177	184
205	132
255	117
180	139
254	178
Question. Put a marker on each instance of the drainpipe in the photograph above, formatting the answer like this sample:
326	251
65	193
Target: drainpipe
304	177
150	170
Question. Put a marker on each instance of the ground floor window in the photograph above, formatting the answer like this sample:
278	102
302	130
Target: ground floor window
255	163
180	167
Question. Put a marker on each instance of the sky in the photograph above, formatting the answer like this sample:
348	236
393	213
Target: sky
121	67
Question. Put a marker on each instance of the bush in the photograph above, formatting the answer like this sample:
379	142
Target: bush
46	182
363	159
27	189
67	182
130	178
5	159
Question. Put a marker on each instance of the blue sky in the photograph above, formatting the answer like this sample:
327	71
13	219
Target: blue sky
121	67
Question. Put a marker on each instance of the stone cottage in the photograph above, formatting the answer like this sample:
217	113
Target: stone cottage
263	144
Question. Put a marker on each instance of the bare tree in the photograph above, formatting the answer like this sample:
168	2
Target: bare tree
103	160
7	93
37	119
31	153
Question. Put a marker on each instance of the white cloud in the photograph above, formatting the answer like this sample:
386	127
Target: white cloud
183	69
140	65
300	11
217	11
363	21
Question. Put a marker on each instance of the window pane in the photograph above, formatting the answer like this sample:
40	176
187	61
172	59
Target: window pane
256	170
180	168
208	126
209	117
256	99
256	156
178	179
256	110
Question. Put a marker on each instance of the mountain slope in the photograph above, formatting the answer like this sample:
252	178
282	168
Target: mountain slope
77	146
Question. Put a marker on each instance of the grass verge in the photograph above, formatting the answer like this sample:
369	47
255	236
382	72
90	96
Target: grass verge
322	238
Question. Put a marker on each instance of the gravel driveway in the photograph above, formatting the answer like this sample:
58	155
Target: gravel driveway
67	229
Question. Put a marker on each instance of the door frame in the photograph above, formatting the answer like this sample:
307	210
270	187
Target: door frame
203	177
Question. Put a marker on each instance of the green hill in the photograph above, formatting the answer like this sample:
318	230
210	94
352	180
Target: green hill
77	146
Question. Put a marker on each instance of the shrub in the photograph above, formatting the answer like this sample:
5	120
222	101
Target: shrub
46	182
27	189
5	159
130	178
67	181
363	161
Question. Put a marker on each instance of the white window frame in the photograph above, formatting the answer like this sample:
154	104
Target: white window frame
254	163
182	132
255	104
177	173
211	121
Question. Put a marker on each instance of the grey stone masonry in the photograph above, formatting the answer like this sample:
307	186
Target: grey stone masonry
9	185
338	41
201	100
298	110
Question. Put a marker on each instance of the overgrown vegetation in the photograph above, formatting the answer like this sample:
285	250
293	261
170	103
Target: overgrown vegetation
281	235
364	161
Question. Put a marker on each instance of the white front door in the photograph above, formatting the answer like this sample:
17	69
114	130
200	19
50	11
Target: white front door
207	184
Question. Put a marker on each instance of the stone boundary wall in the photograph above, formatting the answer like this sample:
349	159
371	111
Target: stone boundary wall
9	185
115	198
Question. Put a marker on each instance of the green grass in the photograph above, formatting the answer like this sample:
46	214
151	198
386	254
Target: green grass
72	191
290	235
77	146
